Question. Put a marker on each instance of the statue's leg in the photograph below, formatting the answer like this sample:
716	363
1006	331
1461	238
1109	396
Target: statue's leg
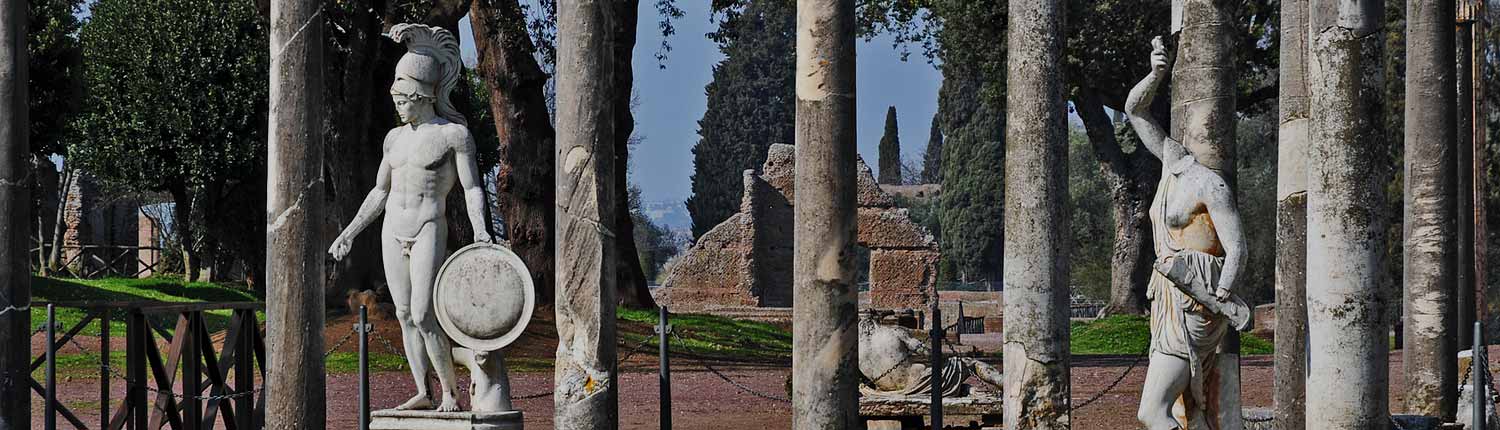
427	257
398	278
1166	378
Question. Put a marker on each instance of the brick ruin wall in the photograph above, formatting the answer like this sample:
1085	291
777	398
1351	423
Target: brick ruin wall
746	261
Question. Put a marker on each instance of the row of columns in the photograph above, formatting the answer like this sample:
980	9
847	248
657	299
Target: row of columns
1327	110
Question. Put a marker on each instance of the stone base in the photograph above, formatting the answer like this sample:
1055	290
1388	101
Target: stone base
983	411
390	419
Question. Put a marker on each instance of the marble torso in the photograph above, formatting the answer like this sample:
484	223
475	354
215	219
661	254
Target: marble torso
422	173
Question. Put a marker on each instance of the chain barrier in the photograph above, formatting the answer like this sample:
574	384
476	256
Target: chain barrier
698	357
340	343
1117	381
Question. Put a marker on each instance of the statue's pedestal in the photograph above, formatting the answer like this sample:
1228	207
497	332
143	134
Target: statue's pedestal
390	419
909	412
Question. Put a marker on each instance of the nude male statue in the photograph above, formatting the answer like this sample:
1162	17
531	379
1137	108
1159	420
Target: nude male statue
1200	249
423	158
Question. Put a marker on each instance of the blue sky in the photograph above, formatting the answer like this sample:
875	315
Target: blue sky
672	99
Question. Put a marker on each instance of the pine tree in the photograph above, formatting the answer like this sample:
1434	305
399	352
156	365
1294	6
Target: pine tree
751	102
932	159
890	150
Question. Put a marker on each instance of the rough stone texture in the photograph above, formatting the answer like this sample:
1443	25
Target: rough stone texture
986	410
295	379
825	335
430	420
1431	195
1346	229
15	197
923	192
584	377
1291	223
747	259
1037	391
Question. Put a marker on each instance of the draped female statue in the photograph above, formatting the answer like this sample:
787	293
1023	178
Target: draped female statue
1200	250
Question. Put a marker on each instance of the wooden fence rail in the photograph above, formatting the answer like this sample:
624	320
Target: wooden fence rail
213	384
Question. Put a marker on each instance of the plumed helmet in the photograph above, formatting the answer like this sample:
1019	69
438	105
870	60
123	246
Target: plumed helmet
430	68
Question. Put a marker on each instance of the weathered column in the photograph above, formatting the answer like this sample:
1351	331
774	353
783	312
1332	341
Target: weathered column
1346	227
825	343
584	377
1430	339
1291	222
15	197
1467	289
294	202
1204	120
1037	388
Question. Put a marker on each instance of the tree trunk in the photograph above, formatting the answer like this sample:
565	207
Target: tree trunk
825	344
15	196
525	194
295	379
1203	119
58	227
1291	223
1037	390
1132	180
1431	211
182	222
632	282
1346	226
585	376
358	114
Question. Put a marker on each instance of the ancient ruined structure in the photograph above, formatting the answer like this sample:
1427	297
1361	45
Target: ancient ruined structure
1430	231
1348	309
15	197
1291	222
584	375
745	261
295	381
825	342
89	220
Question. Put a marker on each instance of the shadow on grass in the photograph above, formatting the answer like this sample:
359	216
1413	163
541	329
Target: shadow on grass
166	290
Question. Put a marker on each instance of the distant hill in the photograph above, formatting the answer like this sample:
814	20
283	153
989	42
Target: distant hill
671	214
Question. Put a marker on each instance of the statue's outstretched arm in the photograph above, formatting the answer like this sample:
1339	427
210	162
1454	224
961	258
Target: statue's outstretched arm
372	207
1226	219
468	178
1138	105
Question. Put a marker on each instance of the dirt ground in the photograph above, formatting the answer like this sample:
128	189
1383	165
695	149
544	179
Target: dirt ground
700	400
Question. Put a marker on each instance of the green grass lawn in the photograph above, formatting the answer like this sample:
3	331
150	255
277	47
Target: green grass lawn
713	336
160	289
1130	335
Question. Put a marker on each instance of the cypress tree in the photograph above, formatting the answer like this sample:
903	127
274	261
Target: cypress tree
750	107
932	158
973	199
890	150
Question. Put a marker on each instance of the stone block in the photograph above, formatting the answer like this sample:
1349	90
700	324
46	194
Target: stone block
390	419
901	278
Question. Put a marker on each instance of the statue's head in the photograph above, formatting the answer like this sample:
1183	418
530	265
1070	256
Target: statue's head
426	75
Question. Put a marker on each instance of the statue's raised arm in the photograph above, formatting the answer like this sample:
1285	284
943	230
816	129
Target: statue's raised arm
1138	105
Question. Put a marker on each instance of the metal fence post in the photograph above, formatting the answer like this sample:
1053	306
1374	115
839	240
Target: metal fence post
663	327
50	409
937	365
104	368
364	368
1479	366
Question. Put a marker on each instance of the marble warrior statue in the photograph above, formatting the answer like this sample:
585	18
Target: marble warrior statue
1200	250
422	159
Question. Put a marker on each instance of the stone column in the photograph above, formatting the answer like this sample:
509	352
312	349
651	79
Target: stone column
15	197
1203	119
825	343
1430	339
1467	289
1291	222
1346	225
585	375
1037	388
294	202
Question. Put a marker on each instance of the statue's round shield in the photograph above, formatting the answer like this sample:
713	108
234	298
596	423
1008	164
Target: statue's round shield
483	297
